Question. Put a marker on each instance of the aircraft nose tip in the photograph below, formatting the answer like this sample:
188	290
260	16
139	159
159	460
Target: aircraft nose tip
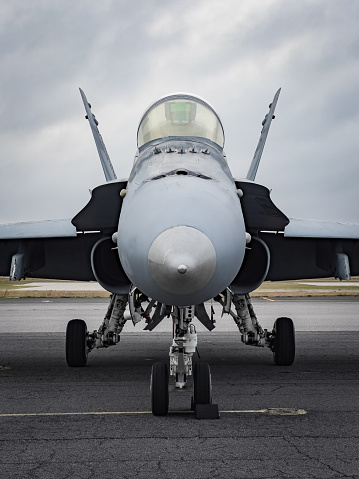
182	269
182	260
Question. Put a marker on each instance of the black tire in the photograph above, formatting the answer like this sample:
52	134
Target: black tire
76	343
159	389
202	386
284	342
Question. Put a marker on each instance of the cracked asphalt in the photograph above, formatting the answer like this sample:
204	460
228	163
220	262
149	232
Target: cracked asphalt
40	439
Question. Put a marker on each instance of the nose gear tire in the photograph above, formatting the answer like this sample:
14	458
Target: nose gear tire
159	389
202	387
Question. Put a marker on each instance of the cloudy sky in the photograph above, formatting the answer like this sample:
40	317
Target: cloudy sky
126	54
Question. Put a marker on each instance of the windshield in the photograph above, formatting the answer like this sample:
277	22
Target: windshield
180	115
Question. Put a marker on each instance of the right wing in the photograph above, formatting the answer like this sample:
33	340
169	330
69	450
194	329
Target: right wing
64	249
46	249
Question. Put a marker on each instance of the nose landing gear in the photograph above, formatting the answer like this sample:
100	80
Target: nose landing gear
202	384
159	389
183	347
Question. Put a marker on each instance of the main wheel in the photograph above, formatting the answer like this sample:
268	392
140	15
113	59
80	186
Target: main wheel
284	342
202	385
76	343
159	389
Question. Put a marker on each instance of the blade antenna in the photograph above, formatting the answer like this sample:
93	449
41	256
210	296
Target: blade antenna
101	148
251	175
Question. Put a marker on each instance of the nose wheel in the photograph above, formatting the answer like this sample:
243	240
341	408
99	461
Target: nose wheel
159	389
202	384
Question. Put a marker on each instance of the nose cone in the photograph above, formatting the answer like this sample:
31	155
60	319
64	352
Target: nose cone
182	260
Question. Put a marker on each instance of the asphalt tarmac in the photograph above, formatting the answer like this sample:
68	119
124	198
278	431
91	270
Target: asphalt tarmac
95	422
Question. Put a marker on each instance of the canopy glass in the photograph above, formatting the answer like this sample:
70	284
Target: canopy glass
180	115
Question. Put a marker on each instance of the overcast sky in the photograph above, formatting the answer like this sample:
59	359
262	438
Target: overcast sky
127	54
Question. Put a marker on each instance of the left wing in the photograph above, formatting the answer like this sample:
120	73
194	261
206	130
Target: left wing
298	248
313	249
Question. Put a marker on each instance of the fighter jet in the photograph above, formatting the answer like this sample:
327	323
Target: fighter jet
180	232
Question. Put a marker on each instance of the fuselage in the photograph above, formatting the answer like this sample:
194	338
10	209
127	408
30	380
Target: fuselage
181	234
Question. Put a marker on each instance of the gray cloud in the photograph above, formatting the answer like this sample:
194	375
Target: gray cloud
126	54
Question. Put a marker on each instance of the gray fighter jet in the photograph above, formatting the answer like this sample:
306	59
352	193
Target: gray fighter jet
178	233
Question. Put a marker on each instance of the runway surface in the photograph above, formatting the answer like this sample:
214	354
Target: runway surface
52	315
292	422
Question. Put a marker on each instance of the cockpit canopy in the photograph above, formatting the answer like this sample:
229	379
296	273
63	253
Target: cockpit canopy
180	114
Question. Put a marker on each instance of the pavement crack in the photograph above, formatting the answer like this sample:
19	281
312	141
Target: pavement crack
313	458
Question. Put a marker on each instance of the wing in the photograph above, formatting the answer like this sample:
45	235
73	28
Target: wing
46	249
313	249
66	249
298	248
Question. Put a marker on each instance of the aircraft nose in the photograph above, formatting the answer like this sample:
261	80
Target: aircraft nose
182	260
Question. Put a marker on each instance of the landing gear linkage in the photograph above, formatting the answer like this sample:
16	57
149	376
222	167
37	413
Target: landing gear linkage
281	340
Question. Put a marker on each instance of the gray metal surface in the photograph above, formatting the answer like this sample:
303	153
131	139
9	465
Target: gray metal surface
38	229
302	228
101	148
295	422
211	206
252	172
182	260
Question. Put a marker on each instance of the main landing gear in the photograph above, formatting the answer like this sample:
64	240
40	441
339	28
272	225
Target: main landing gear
76	343
281	340
79	341
181	367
